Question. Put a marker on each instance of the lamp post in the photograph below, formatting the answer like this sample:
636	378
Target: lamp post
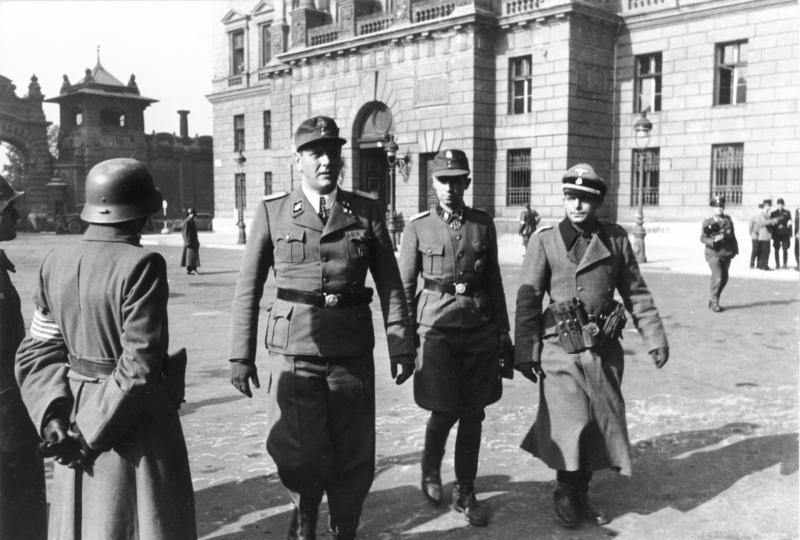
165	228
641	129
393	224
239	190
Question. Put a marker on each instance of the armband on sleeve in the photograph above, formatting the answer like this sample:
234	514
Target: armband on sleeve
44	328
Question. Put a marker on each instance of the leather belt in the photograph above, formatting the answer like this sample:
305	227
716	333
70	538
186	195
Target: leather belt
98	368
327	299
452	287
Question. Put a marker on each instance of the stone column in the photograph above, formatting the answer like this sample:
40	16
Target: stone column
279	31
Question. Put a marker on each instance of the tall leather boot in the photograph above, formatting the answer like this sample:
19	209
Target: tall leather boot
588	512
468	442
303	525
436	433
566	503
344	531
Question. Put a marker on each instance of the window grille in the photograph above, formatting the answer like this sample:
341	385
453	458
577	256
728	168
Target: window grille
240	184
518	188
727	172
645	162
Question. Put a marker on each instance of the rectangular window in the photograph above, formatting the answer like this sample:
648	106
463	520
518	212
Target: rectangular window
237	52
731	74
648	82
240	184
268	183
519	85
726	172
645	176
266	45
267	129
238	133
518	189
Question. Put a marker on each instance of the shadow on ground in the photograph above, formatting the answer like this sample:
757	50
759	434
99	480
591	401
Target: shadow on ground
678	470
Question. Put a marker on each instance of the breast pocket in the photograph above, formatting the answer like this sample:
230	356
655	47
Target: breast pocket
432	257
479	251
358	244
290	246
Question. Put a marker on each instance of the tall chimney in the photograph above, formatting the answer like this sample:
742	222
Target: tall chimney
184	124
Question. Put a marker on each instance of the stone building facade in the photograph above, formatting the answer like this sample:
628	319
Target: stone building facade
527	88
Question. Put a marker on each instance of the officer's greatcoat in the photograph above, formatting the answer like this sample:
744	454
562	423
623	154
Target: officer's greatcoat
22	495
581	419
190	257
105	301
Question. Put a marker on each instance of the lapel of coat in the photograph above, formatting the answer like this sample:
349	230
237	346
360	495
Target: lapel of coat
303	213
596	251
569	235
341	215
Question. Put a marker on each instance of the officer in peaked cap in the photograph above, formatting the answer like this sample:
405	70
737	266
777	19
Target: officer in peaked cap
571	347
721	246
781	233
320	240
462	324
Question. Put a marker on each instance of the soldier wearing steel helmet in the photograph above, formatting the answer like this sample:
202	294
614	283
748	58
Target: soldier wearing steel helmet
720	240
571	347
93	373
462	324
23	509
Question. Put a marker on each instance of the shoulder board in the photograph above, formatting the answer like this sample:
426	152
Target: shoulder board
274	196
365	194
545	228
420	215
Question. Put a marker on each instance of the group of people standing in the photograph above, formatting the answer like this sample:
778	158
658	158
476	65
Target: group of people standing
103	394
774	227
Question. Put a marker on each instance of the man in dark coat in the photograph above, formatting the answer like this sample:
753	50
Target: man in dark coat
461	322
781	233
573	346
190	258
528	221
720	240
320	241
93	374
23	510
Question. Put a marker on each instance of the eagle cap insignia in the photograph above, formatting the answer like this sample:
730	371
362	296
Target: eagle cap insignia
581	171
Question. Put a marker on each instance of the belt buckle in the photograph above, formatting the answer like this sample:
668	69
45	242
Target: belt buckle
461	288
331	299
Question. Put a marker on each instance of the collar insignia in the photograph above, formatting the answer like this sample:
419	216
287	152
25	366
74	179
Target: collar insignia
297	207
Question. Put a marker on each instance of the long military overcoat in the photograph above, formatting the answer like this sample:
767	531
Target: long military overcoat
23	510
190	257
580	423
105	300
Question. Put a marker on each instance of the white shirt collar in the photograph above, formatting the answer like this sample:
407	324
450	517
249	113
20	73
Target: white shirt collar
313	198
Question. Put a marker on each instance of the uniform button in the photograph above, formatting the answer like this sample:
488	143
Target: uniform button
324	280
460	254
324	259
458	237
580	288
429	250
461	273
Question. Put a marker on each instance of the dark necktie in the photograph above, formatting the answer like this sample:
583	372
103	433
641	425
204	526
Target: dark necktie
323	210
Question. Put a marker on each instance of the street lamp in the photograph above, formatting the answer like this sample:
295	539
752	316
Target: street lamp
239	188
641	129
393	224
165	228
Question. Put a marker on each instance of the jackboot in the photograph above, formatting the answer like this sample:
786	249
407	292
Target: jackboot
432	487
436	432
714	306
303	525
588	512
464	502
566	505
343	533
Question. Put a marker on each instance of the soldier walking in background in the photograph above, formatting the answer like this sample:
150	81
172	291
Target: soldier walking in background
572	347
320	240
781	233
462	325
752	229
528	221
720	240
23	509
107	415
190	258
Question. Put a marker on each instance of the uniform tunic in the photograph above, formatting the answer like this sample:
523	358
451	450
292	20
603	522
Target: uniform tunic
321	391
190	258
719	253
106	300
581	418
458	360
23	511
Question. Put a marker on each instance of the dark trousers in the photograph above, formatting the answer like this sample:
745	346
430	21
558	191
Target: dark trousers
719	274
322	431
778	245
763	254
753	252
468	442
797	251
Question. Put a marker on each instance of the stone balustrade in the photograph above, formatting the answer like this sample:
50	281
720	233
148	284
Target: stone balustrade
323	34
374	23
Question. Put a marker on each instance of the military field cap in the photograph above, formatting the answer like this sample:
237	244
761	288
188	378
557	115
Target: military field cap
450	163
582	179
7	193
316	129
718	201
780	201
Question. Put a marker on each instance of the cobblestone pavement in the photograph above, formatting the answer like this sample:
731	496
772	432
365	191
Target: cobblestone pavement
714	433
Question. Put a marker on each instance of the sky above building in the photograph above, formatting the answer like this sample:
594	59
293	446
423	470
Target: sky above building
166	44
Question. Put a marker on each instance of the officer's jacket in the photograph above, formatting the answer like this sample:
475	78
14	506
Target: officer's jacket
306	255
712	226
551	266
433	250
16	429
782	227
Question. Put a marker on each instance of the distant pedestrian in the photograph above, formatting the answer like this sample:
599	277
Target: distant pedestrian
23	509
753	232
797	237
190	258
528	220
781	233
760	232
718	236
571	344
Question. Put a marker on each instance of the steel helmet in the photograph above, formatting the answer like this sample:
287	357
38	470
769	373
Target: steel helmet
7	193
119	190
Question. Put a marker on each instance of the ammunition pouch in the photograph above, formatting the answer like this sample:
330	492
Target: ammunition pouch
578	330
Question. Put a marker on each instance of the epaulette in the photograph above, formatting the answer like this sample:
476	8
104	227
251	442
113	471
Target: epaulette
366	194
274	196
545	228
420	215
